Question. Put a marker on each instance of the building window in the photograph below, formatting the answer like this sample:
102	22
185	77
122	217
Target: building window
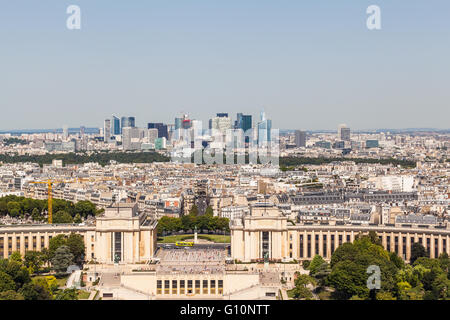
34	243
18	243
117	247
158	287
197	286
309	246
340	239
316	244
205	286
42	242
189	286
174	286
388	243
212	284
265	245
324	252
166	286
301	246
220	285
348	238
332	244
182	286
26	243
436	248
396	244
404	248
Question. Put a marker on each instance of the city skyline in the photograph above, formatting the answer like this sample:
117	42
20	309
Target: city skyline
309	65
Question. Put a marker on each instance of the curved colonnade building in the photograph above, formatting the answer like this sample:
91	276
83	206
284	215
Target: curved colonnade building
267	233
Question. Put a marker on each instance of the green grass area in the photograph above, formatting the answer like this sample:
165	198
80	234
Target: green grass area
62	281
210	237
82	294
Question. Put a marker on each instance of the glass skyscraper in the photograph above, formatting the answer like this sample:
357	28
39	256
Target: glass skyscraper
115	129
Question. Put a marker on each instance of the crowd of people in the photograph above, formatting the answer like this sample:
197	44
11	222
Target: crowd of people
194	255
192	269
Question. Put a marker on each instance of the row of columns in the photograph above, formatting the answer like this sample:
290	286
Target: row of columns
349	236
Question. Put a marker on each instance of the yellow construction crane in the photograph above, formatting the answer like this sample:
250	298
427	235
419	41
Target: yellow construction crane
49	184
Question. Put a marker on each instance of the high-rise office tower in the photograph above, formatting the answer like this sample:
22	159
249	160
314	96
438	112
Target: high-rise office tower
178	123
264	130
300	138
107	130
343	132
152	135
127	122
115	130
244	122
186	124
162	129
132	138
65	132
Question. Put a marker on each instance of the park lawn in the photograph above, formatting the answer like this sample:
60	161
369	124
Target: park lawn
82	294
62	281
217	238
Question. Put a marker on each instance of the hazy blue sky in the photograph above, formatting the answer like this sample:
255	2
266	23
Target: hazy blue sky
310	64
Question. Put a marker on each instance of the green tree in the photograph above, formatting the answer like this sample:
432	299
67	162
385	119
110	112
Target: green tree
6	282
77	218
384	295
349	265
33	291
10	295
55	243
62	259
45	256
209	211
18	272
316	262
33	261
417	251
301	290
16	256
85	209
36	215
62	217
349	279
194	211
76	246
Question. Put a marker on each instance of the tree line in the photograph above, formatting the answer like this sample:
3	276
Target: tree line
11	141
298	161
102	158
346	276
64	211
192	221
